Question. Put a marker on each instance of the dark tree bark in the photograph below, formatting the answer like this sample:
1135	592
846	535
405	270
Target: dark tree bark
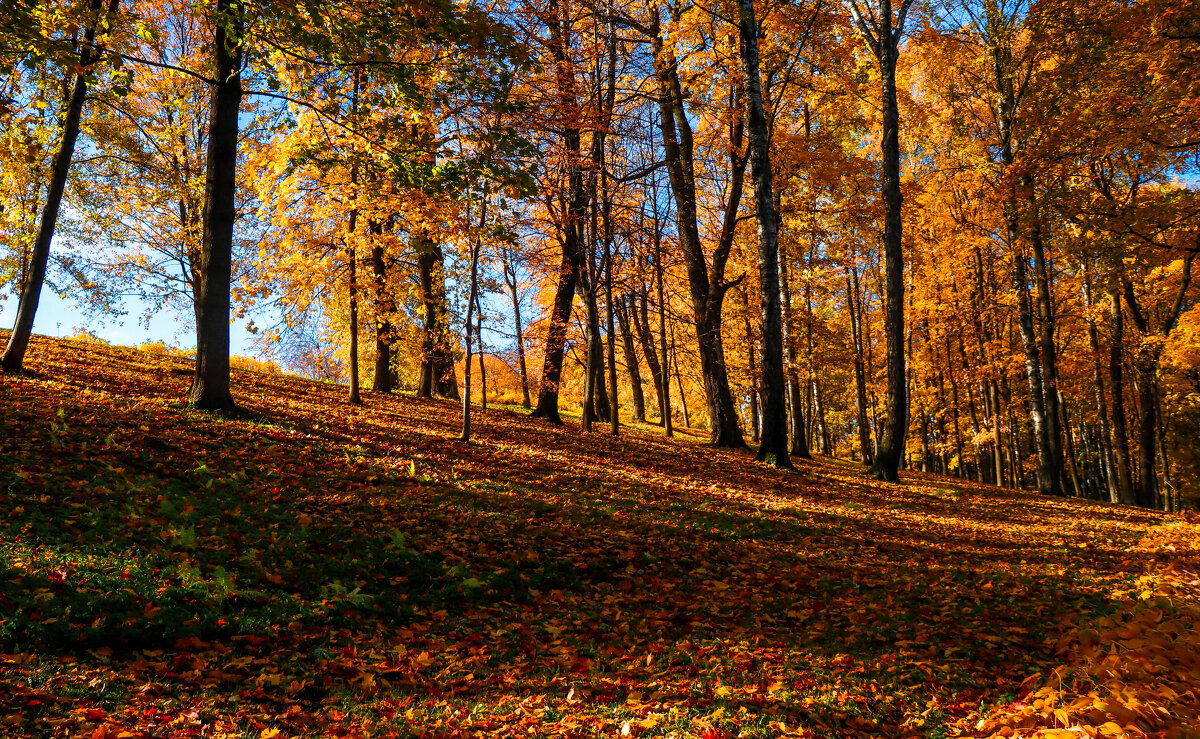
706	281
437	375
639	313
510	280
773	448
1048	475
1146	363
352	261
31	290
854	307
384	308
1116	374
210	385
795	397
1108	464
573	219
883	36
623	308
1047	349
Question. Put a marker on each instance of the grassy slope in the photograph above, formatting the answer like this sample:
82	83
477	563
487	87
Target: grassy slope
312	568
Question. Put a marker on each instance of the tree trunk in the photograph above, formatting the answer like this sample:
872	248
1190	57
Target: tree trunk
1149	353
437	375
1048	474
1146	493
639	313
774	446
510	279
706	281
798	428
210	386
384	307
1048	350
481	353
622	310
1105	439
352	260
472	298
39	259
571	227
890	450
687	421
751	350
665	397
1116	373
854	304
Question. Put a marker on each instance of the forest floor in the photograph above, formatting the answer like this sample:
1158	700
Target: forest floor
311	568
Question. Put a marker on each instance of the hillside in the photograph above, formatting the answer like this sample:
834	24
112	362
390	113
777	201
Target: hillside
309	568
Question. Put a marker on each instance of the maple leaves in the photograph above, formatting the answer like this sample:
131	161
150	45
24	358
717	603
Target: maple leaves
356	573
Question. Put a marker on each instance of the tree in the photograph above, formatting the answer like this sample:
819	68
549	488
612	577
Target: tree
882	32
773	444
97	24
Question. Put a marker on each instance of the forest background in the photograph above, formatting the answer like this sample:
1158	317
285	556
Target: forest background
953	236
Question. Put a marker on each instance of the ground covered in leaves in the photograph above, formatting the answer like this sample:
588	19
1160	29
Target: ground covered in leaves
312	569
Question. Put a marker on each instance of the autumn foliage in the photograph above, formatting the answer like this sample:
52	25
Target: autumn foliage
316	569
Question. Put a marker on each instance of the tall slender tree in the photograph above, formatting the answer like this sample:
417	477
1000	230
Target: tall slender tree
882	27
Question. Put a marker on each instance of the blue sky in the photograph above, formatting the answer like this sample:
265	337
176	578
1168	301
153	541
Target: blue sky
59	317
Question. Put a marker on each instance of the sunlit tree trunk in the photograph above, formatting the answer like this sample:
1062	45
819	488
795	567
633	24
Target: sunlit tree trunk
510	280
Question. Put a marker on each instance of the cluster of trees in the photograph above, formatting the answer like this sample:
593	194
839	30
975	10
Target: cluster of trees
955	236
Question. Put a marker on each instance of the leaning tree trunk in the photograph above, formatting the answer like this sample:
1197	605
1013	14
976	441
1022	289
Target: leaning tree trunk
571	228
31	292
210	386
